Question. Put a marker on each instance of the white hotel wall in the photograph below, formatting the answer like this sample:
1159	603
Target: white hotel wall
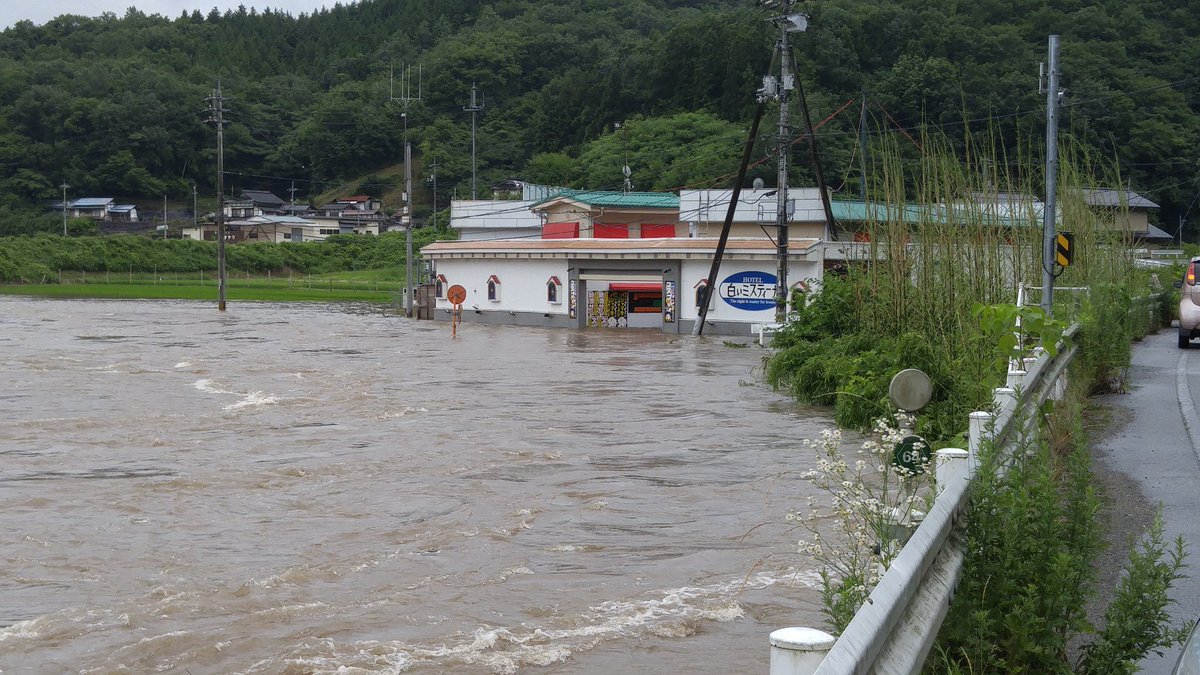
523	293
522	284
721	311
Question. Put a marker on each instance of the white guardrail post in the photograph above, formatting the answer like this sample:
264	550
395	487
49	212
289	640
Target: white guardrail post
799	651
895	629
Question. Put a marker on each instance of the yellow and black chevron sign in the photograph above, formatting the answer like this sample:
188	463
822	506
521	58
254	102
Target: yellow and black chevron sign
1064	248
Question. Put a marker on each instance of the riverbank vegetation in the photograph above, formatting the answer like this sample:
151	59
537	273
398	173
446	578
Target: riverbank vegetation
45	259
936	288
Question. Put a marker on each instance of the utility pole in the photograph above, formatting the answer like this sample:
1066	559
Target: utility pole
405	99
64	187
433	167
862	149
293	191
473	109
195	218
164	216
217	111
1051	208
786	84
408	236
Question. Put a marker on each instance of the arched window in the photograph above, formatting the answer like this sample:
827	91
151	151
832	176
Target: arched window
440	286
493	287
554	291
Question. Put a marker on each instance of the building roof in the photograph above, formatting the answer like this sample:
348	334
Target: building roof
123	208
1153	232
615	199
625	248
91	202
355	199
1114	198
261	197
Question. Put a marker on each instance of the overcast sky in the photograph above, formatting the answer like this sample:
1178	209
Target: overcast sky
41	11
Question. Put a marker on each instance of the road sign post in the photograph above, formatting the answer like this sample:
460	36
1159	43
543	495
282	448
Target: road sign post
456	294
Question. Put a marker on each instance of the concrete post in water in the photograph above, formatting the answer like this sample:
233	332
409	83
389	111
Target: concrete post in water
799	651
950	465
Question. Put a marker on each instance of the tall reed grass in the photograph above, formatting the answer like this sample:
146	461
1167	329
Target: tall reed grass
950	227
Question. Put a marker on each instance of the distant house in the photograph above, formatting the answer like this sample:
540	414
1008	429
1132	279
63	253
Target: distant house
1127	211
123	213
358	214
99	208
265	203
241	208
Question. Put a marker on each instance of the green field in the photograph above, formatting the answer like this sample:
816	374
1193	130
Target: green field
357	287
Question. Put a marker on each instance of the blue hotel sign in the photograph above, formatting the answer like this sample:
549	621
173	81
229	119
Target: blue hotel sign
749	291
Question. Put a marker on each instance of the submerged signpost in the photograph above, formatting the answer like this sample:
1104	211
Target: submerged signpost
456	294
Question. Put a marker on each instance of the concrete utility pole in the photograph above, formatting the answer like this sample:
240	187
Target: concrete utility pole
408	227
405	99
293	191
64	187
473	109
195	217
1051	208
217	111
433	167
164	216
786	84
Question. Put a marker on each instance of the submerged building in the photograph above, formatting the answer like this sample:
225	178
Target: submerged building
583	259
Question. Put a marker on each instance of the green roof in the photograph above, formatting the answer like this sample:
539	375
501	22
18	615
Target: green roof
621	200
912	214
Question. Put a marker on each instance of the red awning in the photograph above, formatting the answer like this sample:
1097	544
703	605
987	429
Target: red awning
635	287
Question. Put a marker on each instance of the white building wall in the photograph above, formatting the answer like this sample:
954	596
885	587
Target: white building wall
484	219
754	206
522	284
719	308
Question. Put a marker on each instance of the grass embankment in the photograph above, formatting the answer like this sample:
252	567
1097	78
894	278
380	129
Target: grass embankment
344	267
324	288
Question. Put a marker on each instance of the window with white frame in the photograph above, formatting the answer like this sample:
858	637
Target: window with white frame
554	291
493	288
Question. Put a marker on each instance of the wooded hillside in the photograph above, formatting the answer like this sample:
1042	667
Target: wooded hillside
114	106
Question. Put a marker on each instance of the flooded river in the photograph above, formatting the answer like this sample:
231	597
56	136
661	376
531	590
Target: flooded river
318	489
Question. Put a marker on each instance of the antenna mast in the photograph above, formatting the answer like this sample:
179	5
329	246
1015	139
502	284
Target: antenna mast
473	109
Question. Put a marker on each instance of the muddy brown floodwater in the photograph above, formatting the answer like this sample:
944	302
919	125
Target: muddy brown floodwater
327	488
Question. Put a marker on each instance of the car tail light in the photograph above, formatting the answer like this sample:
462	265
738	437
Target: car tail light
1191	274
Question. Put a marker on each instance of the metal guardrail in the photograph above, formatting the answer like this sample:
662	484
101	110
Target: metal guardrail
896	627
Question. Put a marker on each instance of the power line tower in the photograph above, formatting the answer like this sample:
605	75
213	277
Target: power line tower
473	108
217	110
405	99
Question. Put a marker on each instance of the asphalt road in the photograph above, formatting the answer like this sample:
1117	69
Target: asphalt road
1157	446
